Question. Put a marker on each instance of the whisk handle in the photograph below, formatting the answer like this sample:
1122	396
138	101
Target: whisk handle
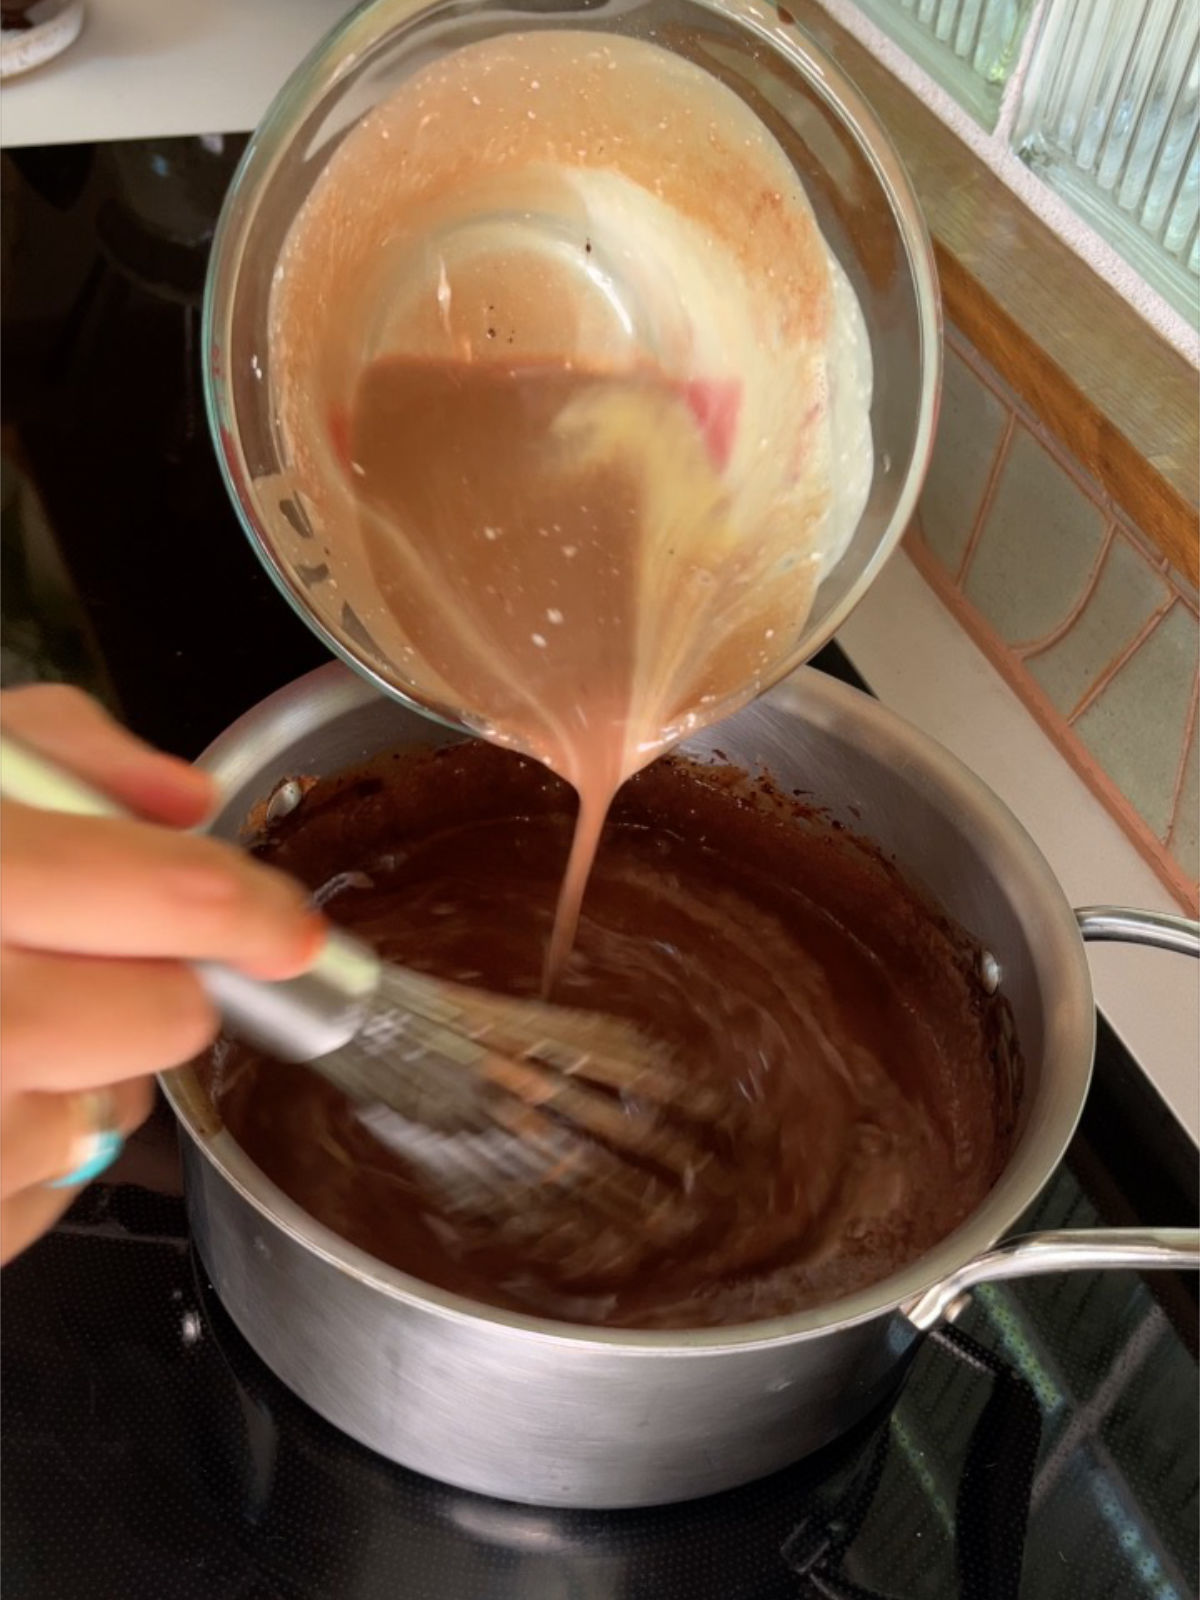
298	1019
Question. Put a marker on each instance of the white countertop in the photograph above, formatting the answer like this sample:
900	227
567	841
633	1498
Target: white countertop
148	68
919	661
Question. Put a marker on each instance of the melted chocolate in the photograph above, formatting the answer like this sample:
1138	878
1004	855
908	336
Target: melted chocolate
772	948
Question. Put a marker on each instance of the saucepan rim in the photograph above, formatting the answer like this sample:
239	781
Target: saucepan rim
322	697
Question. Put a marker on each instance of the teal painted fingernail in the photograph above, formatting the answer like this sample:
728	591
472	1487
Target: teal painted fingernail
106	1146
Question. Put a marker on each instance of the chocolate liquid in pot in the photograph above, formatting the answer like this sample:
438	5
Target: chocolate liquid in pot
770	948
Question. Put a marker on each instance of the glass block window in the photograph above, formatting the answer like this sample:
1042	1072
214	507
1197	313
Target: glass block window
969	46
1110	119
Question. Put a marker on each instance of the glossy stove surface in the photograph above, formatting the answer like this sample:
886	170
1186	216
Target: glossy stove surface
1045	1447
1042	1447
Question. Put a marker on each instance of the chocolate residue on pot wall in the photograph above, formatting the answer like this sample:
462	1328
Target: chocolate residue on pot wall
770	946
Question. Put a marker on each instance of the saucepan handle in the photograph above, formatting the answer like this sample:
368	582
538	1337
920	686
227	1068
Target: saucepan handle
1067	1251
1147	1248
1157	928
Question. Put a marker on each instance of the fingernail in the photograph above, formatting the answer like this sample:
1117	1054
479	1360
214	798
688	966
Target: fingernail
208	795
210	883
311	932
312	939
171	791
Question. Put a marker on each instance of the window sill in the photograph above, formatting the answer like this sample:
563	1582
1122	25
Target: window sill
1121	400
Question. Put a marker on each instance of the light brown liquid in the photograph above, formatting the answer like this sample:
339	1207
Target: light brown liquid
556	546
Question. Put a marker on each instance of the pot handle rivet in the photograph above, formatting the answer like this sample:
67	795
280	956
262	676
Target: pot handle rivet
285	797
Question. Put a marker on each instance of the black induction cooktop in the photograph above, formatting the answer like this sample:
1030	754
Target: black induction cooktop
1044	1446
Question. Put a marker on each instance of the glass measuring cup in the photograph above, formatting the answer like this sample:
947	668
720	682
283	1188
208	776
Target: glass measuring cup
857	190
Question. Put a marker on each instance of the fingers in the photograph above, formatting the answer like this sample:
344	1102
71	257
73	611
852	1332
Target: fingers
75	890
116	888
24	1217
39	1143
41	1134
73	730
70	1022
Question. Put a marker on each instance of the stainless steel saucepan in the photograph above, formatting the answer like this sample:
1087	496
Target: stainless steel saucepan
552	1414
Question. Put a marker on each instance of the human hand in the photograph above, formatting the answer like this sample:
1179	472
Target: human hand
98	922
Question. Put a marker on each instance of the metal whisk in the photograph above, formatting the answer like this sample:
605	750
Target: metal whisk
483	1093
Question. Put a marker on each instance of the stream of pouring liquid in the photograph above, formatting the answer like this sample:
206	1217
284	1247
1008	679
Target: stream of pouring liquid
557	545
